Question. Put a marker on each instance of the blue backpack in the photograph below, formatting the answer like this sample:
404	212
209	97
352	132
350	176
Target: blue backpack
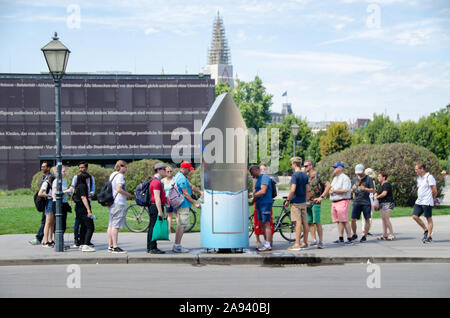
142	193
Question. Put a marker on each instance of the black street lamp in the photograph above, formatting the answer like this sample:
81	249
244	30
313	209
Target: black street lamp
56	55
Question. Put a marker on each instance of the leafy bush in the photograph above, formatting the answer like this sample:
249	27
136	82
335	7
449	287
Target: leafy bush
397	160
138	172
100	174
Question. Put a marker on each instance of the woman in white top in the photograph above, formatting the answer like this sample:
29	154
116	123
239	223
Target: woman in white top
46	192
166	183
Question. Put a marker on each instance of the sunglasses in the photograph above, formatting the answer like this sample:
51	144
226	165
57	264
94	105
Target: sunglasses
306	166
43	167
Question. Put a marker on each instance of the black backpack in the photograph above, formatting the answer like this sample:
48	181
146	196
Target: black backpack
105	196
274	188
41	202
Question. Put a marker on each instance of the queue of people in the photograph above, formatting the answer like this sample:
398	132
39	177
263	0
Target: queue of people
307	190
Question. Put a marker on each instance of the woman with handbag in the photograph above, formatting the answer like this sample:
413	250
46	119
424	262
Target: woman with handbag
65	201
386	201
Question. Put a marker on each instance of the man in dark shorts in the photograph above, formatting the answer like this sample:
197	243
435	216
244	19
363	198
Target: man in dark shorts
426	199
362	186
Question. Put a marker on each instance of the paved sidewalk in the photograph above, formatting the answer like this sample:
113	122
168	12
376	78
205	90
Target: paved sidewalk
408	247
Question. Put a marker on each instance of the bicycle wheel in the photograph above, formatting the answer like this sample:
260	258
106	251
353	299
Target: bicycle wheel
193	221
251	225
137	218
287	228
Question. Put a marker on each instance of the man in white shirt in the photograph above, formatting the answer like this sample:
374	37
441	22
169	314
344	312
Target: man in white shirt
426	198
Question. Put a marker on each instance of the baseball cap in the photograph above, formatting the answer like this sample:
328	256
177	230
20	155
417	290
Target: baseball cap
160	165
338	164
359	168
186	164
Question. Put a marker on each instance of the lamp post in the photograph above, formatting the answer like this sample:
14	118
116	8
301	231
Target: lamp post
56	55
294	131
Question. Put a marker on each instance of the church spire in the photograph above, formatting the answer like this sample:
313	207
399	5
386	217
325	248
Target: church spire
219	52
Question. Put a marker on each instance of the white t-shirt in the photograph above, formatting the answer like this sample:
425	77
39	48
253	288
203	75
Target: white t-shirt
45	186
116	178
424	193
341	182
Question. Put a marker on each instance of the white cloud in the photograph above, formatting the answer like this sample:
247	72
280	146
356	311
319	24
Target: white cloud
321	62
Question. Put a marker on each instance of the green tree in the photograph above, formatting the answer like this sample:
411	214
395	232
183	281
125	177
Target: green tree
313	151
390	133
286	140
337	138
252	100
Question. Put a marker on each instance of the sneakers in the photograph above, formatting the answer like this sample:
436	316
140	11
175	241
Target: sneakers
116	250
110	248
87	248
179	249
349	243
320	245
314	243
35	241
363	239
354	237
48	244
427	240
425	235
265	248
339	241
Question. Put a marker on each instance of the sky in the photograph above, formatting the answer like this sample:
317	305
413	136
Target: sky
337	60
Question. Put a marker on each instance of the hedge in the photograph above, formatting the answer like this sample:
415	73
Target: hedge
397	160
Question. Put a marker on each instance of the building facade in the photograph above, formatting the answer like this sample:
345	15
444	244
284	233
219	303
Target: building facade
104	118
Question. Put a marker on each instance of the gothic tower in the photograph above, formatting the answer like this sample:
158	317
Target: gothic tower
219	57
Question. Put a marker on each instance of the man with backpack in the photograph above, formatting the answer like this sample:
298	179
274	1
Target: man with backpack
183	220
45	168
264	203
117	211
157	202
318	190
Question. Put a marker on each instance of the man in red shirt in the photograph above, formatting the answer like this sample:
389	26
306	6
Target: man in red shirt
157	201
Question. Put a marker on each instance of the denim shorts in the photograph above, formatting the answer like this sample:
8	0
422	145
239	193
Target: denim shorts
358	208
264	211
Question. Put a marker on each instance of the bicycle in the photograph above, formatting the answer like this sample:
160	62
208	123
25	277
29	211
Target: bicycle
282	224
138	219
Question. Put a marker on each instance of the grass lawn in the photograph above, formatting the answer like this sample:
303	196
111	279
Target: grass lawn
19	216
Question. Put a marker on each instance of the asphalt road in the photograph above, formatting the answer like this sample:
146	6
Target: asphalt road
169	281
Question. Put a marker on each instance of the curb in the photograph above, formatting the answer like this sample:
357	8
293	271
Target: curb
203	259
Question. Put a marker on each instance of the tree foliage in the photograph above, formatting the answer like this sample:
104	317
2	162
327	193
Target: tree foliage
337	138
252	99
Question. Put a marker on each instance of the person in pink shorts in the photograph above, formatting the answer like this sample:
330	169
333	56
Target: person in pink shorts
340	194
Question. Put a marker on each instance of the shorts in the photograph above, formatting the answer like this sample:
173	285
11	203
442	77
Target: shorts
170	209
426	210
339	210
313	213
258	230
264	211
385	206
298	212
48	207
117	216
365	209
184	217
